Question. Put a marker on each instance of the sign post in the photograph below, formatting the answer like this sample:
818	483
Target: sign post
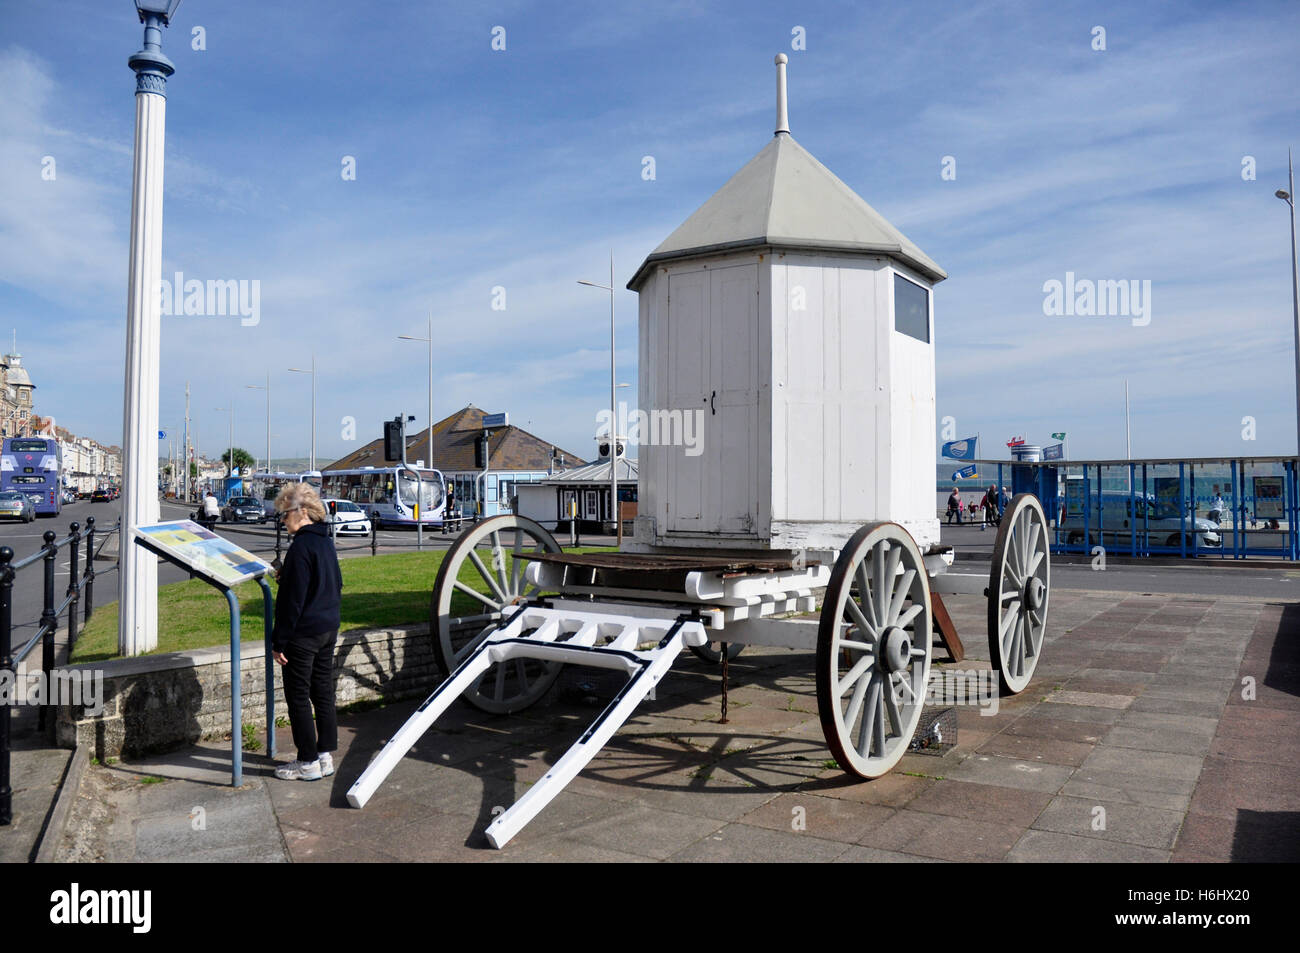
222	565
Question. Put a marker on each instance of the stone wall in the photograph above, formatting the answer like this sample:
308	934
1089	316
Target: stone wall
157	702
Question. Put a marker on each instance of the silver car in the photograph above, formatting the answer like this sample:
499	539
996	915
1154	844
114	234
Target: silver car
16	506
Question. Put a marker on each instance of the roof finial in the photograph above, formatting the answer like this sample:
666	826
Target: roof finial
782	117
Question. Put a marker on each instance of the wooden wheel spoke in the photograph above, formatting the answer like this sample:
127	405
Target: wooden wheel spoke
861	667
855	703
499	562
475	594
488	577
904	587
856	646
864	593
860	620
891	706
909	615
866	731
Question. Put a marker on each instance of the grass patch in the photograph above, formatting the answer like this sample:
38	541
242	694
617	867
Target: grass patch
378	591
151	779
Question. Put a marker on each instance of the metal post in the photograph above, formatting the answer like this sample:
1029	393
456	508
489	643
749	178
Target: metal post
90	569
74	584
1182	511
48	620
374	535
268	625
1132	511
236	698
6	666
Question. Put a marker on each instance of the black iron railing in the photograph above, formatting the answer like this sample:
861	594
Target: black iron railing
81	588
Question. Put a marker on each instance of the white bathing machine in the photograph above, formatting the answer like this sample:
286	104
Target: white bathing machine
792	327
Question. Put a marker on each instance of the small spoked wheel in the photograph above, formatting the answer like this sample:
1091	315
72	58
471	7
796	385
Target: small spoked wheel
873	650
712	652
1019	585
481	576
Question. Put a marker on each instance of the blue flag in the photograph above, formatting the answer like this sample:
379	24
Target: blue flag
960	449
1054	452
964	472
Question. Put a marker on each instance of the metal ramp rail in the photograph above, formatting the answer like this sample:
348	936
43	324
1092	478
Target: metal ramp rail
550	634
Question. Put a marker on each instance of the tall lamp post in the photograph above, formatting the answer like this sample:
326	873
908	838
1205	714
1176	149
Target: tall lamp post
138	587
312	372
1288	195
613	413
267	388
407	337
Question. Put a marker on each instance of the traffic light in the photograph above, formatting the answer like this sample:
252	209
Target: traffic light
393	439
481	452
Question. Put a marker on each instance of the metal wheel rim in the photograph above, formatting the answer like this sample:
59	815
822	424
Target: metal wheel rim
504	688
1022	560
879	586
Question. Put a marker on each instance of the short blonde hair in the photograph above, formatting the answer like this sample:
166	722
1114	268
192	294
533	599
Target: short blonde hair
300	496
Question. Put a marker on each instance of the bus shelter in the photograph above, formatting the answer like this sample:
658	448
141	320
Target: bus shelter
1224	507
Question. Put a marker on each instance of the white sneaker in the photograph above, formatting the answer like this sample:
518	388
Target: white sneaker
326	764
299	771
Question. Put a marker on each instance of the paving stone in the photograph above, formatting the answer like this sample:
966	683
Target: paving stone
1157	739
1121	821
829	818
1038	847
943	837
981	802
1155	763
1089	699
1126	789
873	855
1263	750
641	831
1190	724
1249	837
892	790
1039	725
1036	750
744	843
1198	705
1010	772
1082	713
1227	786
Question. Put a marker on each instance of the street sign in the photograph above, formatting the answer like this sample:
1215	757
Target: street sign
162	434
496	420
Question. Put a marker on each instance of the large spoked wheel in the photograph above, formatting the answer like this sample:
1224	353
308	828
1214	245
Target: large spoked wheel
1019	585
712	652
873	650
480	577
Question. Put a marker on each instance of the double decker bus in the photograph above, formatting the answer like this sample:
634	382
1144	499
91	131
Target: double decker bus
31	466
265	486
388	494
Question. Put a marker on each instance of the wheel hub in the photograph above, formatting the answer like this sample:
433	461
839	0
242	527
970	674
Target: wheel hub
1034	593
897	652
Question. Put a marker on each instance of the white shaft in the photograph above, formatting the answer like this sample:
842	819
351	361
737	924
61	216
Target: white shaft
138	587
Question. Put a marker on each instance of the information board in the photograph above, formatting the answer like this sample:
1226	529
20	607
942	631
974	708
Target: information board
1075	491
1268	497
203	551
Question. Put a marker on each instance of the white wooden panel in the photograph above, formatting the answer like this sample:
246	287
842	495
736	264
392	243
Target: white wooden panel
864	408
806	393
732	422
913	424
687	348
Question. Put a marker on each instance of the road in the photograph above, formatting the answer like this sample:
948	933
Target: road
1204	576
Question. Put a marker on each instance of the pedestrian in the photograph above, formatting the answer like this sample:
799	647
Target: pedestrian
1003	502
954	506
449	509
211	510
990	506
1218	507
306	630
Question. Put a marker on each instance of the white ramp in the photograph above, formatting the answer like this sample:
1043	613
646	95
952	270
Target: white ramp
561	635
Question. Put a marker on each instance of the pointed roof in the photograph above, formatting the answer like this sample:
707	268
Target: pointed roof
509	448
785	198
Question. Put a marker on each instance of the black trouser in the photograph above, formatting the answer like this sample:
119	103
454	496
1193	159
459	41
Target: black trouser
308	684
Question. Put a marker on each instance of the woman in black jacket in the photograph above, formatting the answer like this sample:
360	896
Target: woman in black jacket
306	630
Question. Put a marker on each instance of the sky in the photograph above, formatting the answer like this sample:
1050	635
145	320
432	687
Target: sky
1153	160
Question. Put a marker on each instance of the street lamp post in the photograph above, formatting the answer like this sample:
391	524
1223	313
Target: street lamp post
312	372
138	586
1288	195
613	413
407	337
230	461
266	388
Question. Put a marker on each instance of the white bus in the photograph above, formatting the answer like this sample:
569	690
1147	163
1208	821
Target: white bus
265	486
388	494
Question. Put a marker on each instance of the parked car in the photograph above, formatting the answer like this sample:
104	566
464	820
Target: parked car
1159	521
101	495
14	505
348	519
242	509
69	496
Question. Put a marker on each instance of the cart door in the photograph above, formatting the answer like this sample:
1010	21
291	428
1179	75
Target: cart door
730	431
688	392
